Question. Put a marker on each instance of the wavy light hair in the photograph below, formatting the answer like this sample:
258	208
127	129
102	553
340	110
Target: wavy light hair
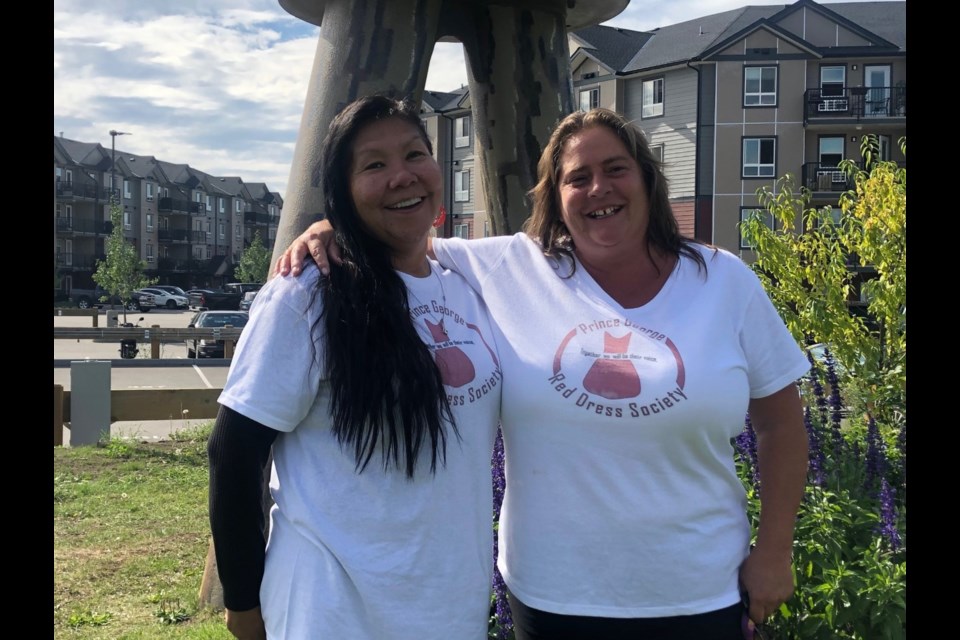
546	226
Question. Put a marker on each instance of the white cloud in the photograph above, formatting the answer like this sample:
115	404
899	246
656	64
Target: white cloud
220	84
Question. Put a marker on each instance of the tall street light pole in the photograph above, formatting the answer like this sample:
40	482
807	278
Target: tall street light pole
113	161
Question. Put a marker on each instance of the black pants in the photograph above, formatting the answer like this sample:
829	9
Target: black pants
533	624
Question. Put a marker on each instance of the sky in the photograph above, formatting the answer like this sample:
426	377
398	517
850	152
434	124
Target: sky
220	84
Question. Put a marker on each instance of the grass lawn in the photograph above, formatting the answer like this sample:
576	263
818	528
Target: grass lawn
130	539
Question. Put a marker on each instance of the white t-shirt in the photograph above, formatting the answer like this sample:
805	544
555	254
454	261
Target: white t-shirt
375	555
622	499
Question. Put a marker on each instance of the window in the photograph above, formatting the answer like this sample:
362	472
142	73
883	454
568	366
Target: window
166	192
150	191
149	222
884	147
236	230
486	228
68	254
58	172
657	151
832	81
126	219
69	211
220	205
652	98
461	186
197	196
150	257
748	212
199	252
831	151
461	132
69	176
759	86
273	211
239	206
206	202
126	189
759	157
589	99
461	231
220	229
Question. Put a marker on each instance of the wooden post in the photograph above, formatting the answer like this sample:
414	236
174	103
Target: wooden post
155	342
211	591
96	316
228	344
58	415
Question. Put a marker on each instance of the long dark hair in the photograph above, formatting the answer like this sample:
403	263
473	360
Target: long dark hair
545	224
386	389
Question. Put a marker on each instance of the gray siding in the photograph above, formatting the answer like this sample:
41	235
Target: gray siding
675	130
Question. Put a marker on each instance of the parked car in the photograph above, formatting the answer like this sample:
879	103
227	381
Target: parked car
177	291
210	348
247	300
195	297
166	299
228	297
99	298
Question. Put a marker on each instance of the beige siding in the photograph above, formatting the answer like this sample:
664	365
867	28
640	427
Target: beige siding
675	130
821	31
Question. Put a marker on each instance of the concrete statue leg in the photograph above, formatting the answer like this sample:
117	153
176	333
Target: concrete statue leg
373	46
518	67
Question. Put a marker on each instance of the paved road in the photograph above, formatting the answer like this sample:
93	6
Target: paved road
202	374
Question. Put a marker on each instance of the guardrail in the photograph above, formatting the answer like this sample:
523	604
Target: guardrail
155	335
142	404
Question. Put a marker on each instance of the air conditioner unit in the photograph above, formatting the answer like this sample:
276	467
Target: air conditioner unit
838	104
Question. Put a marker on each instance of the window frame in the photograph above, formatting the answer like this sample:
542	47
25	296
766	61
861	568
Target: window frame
127	192
149	222
461	179
593	98
759	164
744	212
466	230
761	93
653	104
461	132
657	151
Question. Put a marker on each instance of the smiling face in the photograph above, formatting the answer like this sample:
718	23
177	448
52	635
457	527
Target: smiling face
603	197
396	188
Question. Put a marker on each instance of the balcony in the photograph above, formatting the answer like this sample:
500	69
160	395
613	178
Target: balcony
73	190
178	265
824	178
77	260
855	104
173	235
79	225
176	205
255	218
198	237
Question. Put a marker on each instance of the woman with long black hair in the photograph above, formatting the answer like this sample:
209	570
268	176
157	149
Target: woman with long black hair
383	434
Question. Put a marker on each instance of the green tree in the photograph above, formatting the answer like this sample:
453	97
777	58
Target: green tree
811	273
254	263
121	272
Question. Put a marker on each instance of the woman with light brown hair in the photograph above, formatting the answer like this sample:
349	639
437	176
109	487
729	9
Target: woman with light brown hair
630	356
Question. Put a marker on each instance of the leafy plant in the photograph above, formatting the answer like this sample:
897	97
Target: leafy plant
254	263
88	618
121	272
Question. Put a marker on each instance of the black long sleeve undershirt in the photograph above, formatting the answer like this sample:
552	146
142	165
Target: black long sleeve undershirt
238	450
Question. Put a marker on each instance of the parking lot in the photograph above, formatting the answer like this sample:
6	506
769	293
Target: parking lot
201	373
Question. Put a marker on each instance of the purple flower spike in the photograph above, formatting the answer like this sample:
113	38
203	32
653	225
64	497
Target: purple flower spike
747	446
817	459
888	516
876	454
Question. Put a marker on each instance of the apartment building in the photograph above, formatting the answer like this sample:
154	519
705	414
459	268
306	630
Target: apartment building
731	102
449	123
190	227
735	100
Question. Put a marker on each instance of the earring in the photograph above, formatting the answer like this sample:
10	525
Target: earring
438	221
